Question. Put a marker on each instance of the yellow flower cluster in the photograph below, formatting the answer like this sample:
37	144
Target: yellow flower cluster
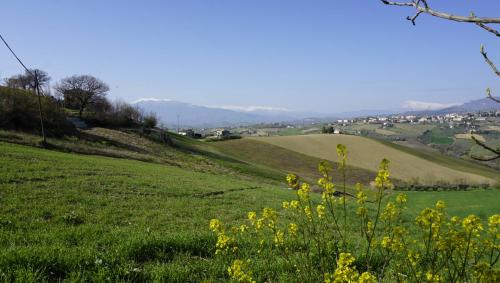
224	243
238	271
342	154
392	244
382	180
432	278
346	273
320	210
304	192
293	181
446	249
472	224
292	229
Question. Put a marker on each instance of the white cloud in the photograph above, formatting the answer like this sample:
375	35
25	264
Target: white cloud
422	105
149	99
251	108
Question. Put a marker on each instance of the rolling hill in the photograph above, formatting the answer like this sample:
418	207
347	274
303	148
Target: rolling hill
366	153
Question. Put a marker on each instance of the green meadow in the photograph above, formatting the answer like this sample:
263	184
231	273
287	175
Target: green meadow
71	217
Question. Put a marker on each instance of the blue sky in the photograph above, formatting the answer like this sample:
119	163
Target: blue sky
323	56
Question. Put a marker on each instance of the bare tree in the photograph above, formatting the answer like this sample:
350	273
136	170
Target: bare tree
422	6
27	80
80	91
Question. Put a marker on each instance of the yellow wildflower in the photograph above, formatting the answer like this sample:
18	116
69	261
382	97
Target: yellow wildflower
286	205
472	224
294	204
292	229
342	154
324	167
239	271
440	205
320	209
304	191
367	277
401	199
216	225
293	181
307	212
432	278
279	238
252	215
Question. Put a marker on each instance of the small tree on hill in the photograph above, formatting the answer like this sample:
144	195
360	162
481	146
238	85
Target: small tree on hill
27	80
80	91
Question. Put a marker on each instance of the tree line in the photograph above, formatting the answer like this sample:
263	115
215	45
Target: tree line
78	96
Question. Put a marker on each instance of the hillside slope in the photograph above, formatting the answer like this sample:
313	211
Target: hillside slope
287	161
366	153
73	216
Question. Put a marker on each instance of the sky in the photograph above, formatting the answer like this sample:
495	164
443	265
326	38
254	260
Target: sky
316	56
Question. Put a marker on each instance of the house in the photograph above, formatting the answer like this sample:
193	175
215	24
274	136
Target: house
187	133
222	133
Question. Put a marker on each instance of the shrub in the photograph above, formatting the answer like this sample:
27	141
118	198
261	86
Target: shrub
316	242
19	111
150	120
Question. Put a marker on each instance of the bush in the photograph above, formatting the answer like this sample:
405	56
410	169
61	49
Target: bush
150	121
19	111
315	242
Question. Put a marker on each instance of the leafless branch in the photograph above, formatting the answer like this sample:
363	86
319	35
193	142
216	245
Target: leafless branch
490	29
425	9
488	94
496	152
409	4
412	19
492	65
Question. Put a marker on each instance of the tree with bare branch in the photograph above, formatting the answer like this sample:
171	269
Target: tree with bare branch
422	7
80	91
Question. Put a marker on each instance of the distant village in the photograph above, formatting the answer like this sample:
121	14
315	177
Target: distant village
452	120
468	121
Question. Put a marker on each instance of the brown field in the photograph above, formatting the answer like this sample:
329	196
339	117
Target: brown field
469	136
367	153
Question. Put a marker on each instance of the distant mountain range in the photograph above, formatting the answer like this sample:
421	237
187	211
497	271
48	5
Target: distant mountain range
484	104
172	113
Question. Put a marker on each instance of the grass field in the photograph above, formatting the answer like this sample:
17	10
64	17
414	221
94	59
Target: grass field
65	216
367	153
73	216
286	161
445	160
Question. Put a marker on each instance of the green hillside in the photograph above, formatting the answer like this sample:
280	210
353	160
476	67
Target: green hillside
73	216
96	218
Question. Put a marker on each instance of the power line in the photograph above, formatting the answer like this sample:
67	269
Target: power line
13	53
37	87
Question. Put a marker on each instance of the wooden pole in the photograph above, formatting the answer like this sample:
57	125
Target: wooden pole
37	89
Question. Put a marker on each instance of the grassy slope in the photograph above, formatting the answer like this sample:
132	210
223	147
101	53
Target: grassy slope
60	213
87	217
367	153
185	153
285	161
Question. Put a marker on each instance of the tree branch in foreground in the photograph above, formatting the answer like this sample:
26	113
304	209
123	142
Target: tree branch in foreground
424	8
490	29
496	152
492	65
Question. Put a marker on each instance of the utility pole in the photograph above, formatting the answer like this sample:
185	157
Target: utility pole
37	90
178	123
37	86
